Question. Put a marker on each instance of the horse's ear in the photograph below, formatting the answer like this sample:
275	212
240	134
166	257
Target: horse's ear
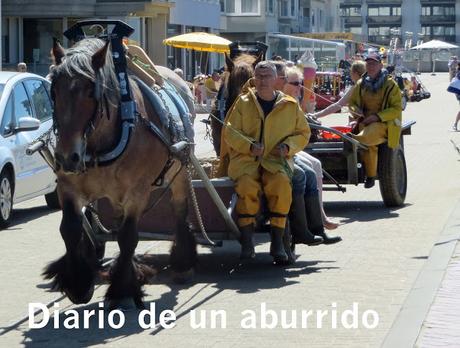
229	63
57	51
259	58
98	58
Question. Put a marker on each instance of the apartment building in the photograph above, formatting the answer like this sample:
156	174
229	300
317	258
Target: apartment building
410	20
251	20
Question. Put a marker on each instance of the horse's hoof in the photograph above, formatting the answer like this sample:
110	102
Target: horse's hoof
125	304
80	299
183	277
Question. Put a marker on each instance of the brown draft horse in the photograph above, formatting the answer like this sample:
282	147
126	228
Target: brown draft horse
238	72
85	125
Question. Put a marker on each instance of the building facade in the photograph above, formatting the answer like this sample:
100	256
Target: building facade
252	20
28	26
193	16
411	21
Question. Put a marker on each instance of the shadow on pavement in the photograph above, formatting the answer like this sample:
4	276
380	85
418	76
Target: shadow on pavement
24	215
361	211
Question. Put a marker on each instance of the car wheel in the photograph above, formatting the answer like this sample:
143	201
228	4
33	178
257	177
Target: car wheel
6	199
52	200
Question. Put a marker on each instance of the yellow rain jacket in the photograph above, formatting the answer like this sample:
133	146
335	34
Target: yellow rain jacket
386	103
286	124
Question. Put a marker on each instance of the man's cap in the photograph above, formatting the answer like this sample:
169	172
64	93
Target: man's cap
373	56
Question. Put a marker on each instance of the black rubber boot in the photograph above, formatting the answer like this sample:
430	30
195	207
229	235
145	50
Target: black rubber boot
289	246
298	223
247	242
277	245
315	220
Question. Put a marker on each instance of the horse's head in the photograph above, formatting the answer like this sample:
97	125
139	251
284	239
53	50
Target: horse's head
82	78
239	71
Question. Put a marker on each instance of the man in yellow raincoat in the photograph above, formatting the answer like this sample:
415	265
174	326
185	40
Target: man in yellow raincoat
264	129
376	103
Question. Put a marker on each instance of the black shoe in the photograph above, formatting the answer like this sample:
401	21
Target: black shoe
247	242
370	182
315	220
277	245
330	240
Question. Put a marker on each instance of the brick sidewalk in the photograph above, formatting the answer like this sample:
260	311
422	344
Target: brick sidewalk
442	324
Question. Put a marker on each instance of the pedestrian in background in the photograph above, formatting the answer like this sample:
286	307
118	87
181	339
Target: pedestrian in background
22	67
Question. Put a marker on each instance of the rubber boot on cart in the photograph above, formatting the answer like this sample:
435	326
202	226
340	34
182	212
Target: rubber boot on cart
247	242
298	223
315	220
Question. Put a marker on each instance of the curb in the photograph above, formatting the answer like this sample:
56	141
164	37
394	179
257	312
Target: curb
407	325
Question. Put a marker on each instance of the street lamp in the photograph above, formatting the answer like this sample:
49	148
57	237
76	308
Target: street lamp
419	42
393	45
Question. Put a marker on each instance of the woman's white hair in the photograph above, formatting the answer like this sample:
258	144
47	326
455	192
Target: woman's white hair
293	71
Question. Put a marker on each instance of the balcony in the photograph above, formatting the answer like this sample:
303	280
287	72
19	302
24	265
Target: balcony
384	20
380	39
437	2
350	2
352	20
446	38
437	19
384	2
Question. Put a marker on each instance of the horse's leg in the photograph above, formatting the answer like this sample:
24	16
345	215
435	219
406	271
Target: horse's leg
74	272
127	276
183	252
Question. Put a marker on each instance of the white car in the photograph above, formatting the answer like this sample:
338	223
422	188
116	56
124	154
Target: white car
26	113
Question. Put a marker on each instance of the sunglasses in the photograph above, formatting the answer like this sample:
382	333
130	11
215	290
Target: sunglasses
295	83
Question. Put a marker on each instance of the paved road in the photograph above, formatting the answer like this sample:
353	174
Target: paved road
376	266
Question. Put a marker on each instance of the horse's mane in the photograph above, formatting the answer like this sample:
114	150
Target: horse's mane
77	61
234	81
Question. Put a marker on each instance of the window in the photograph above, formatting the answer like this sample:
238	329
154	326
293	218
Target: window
438	30
230	6
426	11
356	30
284	8
383	11
293	8
449	31
426	31
249	6
242	7
354	11
396	11
449	11
270	6
222	6
7	119
373	31
22	107
373	11
40	99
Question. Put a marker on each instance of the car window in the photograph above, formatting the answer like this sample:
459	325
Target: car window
2	87
7	118
22	106
40	99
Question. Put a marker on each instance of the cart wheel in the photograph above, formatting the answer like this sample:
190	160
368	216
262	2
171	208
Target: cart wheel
392	175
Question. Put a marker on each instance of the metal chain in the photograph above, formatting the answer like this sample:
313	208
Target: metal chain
196	207
171	123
